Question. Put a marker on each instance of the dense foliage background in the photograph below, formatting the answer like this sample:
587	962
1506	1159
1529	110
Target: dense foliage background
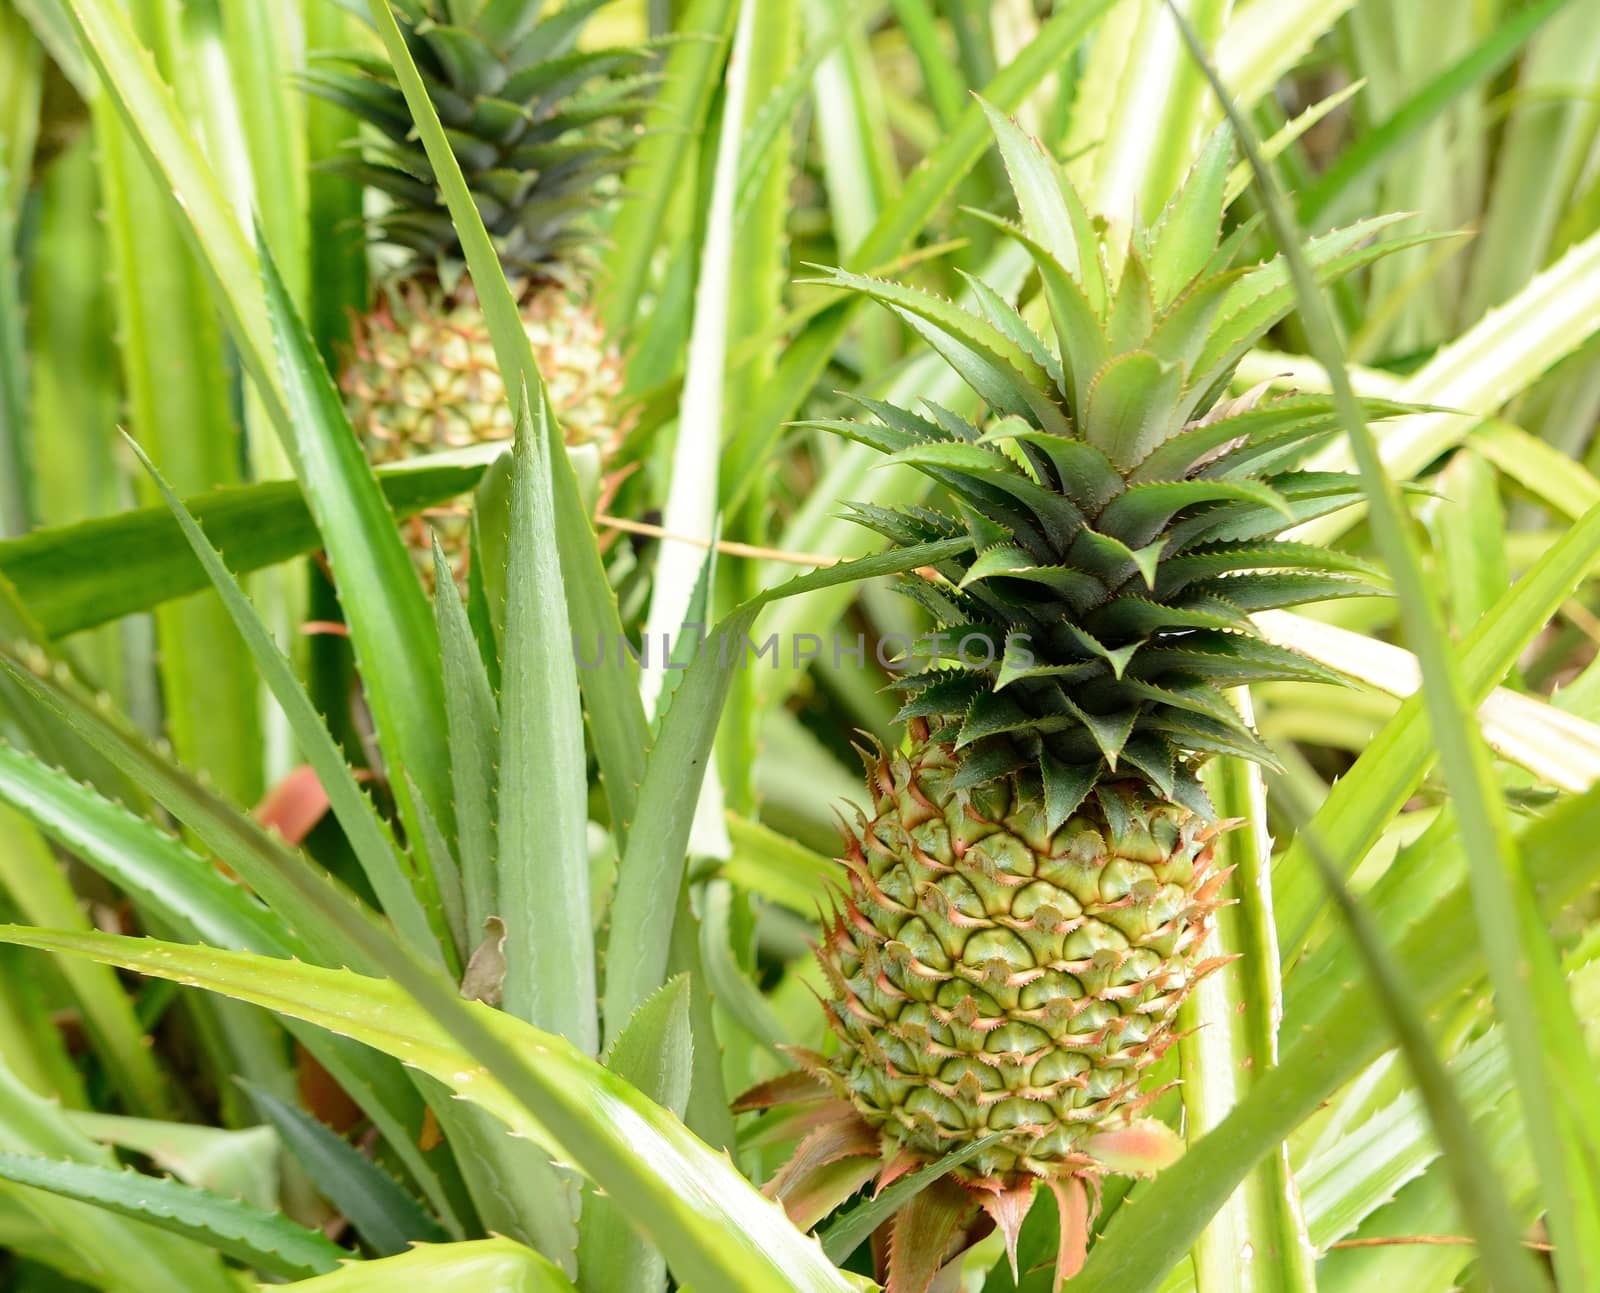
181	257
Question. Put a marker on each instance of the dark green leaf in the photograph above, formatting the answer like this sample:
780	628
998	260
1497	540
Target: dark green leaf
266	1240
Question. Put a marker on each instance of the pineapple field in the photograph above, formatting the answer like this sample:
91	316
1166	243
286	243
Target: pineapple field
795	645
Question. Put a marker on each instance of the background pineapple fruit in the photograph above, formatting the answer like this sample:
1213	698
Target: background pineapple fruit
537	126
1026	904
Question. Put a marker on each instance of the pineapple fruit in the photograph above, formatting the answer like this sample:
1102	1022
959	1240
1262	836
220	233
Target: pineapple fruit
1025	906
537	125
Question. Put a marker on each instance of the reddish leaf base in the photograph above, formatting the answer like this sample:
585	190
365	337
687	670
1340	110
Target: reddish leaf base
917	1250
294	806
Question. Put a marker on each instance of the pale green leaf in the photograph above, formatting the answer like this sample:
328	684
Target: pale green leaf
476	1267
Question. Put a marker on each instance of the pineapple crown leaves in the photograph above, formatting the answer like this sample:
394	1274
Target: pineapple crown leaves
1124	510
536	123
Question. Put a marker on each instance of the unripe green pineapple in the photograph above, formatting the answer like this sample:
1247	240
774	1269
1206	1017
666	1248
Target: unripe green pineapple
422	375
1026	905
422	378
537	125
992	974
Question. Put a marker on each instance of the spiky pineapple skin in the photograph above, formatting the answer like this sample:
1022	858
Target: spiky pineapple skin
991	975
422	375
422	378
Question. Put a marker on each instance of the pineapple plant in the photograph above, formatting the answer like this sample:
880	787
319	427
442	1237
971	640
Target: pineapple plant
415	979
1025	904
538	126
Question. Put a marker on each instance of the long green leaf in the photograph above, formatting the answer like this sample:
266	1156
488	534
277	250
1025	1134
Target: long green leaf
655	1053
391	625
1468	525
651	870
383	1214
72	377
1530	995
676	119
715	1229
265	1240
188	893
729	982
856	154
806	358
156	123
338	266
691	506
474	727
369	835
22	64
1330	1034
259	43
543	854
1507	1264
941	79
21	72
760	261
74	577
1230	1040
483	1264
179	403
616	716
1375	145
707	1109
234	91
117	1255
